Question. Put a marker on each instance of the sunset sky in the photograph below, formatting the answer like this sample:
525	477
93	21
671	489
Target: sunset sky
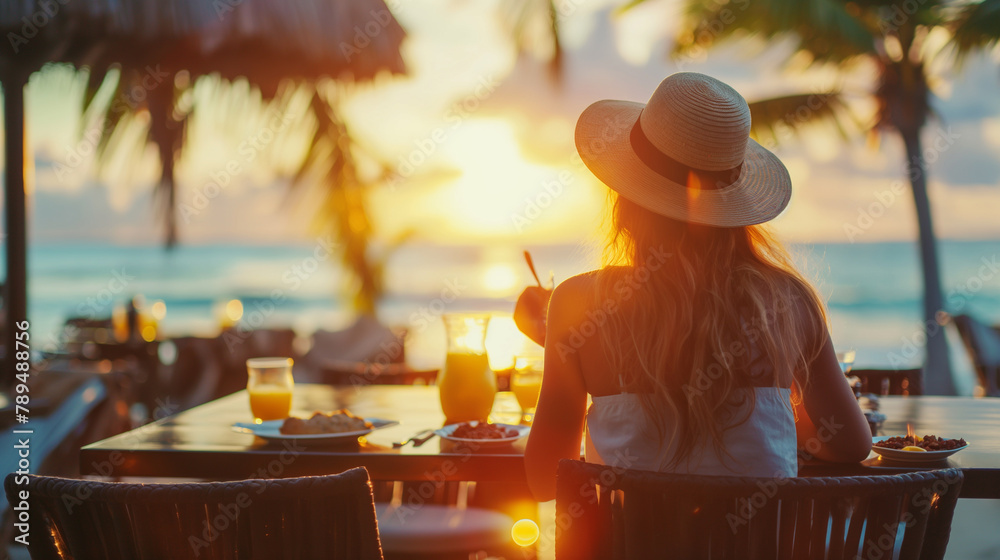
484	142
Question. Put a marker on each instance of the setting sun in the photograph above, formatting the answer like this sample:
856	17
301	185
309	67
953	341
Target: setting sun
496	179
499	278
498	193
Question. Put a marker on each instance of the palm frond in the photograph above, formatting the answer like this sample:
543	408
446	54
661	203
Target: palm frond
829	30
774	120
534	26
977	26
330	165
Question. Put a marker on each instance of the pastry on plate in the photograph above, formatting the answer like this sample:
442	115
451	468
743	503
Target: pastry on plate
335	423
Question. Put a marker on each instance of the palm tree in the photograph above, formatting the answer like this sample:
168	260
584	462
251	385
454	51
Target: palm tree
890	33
313	48
329	166
976	26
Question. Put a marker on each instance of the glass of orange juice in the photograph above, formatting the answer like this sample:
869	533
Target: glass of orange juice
269	384
526	383
466	384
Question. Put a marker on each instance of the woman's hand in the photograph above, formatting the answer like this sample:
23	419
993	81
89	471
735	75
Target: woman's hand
531	311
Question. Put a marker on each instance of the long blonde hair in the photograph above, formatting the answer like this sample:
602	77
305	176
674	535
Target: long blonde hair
696	305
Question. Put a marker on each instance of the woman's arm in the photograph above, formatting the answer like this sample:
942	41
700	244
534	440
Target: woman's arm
557	429
829	424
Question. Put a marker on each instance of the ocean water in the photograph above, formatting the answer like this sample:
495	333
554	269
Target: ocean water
873	291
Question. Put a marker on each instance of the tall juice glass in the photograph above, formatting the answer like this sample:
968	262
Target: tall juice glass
467	384
269	383
526	384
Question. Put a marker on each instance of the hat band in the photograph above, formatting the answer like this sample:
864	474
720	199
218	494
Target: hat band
676	171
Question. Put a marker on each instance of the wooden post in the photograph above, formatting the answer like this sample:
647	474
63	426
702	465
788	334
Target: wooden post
16	284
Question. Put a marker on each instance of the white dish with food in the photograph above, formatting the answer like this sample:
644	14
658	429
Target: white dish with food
903	456
514	433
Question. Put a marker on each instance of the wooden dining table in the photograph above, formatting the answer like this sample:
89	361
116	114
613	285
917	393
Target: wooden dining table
200	442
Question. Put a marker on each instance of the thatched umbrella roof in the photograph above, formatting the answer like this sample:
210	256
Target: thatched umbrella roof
256	39
262	41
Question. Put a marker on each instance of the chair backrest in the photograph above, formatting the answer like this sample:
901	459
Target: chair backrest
194	373
607	513
983	345
890	381
329	517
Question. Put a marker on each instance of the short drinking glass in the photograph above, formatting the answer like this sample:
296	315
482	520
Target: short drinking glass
269	384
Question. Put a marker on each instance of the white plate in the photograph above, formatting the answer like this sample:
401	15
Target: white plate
901	456
445	433
271	431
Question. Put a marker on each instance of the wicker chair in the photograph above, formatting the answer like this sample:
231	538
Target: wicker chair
328	517
890	381
607	513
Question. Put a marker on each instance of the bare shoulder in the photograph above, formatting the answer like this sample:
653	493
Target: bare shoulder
580	284
582	290
572	295
575	296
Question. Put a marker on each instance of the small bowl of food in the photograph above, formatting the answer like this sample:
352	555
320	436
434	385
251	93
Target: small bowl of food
482	434
916	449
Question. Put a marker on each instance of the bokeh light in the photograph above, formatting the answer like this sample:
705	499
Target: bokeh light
158	310
524	532
234	310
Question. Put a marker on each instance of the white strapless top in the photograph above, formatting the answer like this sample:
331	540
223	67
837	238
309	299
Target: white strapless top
620	434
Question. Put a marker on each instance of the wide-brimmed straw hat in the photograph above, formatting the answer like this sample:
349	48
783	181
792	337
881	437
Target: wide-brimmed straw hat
686	154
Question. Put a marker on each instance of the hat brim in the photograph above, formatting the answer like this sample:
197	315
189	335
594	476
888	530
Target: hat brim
761	192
